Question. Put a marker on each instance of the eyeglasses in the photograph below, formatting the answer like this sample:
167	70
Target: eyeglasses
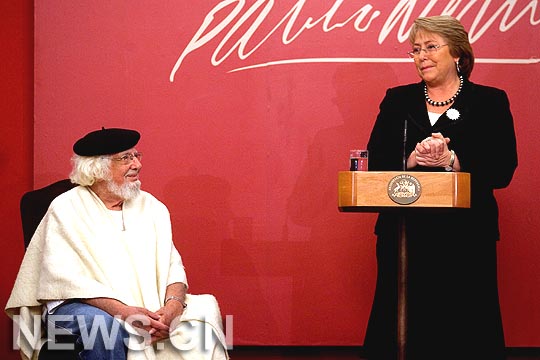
430	49
128	158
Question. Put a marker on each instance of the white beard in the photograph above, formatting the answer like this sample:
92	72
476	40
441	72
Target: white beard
126	191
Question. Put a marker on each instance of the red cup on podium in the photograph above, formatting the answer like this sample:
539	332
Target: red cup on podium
359	160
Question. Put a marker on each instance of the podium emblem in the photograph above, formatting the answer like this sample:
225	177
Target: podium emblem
404	189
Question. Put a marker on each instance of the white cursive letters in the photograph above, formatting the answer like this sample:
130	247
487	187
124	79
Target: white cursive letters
361	21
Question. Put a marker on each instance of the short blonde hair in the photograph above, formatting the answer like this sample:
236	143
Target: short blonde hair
455	35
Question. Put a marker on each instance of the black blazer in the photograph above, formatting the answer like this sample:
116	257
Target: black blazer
482	137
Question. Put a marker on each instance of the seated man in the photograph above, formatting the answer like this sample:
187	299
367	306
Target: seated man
102	266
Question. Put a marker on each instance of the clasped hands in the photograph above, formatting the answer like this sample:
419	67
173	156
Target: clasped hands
431	152
154	326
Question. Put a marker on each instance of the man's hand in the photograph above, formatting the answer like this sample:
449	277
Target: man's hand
167	314
170	311
144	321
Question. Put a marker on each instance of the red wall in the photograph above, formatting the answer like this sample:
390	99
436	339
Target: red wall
16	112
247	159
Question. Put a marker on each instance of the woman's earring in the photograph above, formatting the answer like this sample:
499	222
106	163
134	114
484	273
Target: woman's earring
457	67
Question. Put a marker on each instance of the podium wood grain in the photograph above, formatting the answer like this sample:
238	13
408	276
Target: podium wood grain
368	190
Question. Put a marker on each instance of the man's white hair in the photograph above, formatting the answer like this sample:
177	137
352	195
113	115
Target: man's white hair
89	169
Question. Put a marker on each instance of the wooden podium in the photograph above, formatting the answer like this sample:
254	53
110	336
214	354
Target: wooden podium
379	191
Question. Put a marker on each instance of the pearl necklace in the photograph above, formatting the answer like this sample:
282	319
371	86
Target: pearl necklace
444	103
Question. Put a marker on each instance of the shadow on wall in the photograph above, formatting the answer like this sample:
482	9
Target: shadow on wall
218	251
325	261
340	256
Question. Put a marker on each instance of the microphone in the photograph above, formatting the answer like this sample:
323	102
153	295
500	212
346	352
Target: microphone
405	145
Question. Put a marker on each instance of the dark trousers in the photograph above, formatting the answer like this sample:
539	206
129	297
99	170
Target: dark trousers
453	303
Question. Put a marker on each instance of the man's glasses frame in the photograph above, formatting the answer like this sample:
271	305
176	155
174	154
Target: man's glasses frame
128	157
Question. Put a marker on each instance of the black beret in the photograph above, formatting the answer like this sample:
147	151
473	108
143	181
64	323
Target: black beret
106	142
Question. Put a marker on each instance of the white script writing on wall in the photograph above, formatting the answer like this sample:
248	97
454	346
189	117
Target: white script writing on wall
506	15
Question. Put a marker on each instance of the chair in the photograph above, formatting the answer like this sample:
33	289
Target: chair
33	206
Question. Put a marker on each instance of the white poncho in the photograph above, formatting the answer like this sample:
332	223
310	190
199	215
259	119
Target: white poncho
80	251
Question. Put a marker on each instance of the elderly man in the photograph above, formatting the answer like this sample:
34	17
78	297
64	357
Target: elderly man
102	266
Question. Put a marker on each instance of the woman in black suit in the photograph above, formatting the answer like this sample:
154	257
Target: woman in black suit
451	124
